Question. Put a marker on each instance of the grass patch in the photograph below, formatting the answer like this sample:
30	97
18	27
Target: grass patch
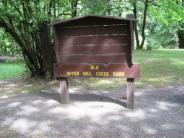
11	70
13	87
98	83
159	68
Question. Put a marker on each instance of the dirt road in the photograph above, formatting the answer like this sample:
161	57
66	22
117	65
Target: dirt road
158	113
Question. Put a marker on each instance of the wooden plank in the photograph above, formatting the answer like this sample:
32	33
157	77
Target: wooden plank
93	40
97	70
132	41
92	58
86	49
94	30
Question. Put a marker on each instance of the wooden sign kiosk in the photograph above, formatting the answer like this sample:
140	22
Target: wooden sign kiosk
95	46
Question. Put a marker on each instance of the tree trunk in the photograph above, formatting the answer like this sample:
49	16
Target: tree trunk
136	26
144	24
181	39
109	9
46	50
74	7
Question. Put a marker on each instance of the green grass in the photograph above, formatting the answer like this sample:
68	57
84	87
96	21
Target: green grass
11	70
159	68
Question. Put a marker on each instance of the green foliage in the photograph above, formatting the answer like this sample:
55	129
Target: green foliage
165	20
22	20
8	46
168	12
161	36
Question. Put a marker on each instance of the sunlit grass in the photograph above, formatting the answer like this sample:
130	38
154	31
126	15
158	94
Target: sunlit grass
11	70
98	83
159	68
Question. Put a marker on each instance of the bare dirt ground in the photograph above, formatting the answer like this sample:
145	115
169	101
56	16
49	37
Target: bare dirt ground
158	113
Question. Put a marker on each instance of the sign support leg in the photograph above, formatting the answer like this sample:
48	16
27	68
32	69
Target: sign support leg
130	93
63	90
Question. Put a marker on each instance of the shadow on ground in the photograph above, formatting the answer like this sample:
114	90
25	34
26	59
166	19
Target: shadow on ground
84	97
93	114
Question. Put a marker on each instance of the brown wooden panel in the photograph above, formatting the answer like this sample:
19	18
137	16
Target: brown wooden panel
93	40
98	58
104	49
97	70
95	30
95	47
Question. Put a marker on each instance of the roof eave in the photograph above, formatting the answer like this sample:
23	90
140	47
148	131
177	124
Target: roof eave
80	17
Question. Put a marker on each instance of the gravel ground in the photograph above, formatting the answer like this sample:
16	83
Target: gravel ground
7	58
158	113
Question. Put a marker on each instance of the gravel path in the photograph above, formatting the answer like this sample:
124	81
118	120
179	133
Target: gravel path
6	58
158	113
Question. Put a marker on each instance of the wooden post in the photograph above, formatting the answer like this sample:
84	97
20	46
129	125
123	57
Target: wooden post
63	90
130	93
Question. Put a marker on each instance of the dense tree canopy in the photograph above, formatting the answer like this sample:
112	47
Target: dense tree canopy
160	24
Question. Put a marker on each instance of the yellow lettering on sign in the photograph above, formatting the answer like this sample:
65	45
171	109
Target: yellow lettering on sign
68	73
86	74
118	74
72	73
102	74
94	67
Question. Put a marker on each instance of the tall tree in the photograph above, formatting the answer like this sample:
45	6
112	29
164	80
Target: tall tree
170	14
22	20
136	26
181	30
144	24
140	44
74	7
